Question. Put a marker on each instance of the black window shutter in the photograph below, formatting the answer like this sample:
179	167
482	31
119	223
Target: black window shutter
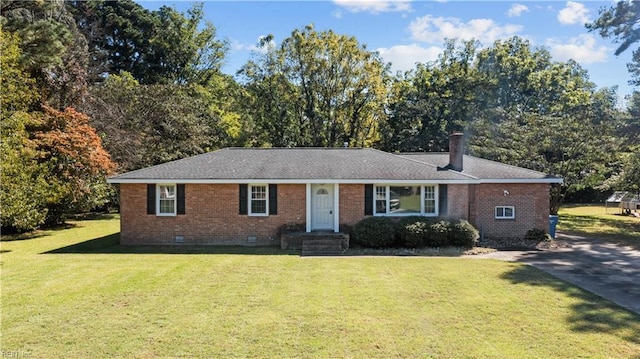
181	194
273	199
368	199
442	199
243	199
151	199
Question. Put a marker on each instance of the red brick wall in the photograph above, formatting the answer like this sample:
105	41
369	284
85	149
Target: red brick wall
351	203
458	201
212	212
211	216
531	202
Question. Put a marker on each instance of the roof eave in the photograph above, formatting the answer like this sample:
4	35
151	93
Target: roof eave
326	180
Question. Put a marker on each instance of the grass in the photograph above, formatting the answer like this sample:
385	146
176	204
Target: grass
597	220
75	293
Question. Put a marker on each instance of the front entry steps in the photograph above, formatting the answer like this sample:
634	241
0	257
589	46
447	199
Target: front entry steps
316	243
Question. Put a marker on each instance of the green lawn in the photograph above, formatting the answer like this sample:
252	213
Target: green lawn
596	220
74	293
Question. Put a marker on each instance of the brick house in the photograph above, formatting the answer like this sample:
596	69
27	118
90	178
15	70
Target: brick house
244	196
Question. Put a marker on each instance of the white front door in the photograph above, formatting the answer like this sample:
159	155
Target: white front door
322	206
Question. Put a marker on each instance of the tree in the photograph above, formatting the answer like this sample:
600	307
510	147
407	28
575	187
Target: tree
75	160
327	88
53	52
433	101
144	125
620	22
272	99
155	47
545	116
630	179
25	189
182	49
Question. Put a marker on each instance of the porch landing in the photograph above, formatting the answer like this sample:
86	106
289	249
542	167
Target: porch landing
318	243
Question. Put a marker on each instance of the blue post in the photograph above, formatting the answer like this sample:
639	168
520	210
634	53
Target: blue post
553	221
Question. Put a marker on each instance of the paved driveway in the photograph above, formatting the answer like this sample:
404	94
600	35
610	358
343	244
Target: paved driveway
608	270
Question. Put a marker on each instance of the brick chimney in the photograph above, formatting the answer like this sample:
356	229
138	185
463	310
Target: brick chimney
456	150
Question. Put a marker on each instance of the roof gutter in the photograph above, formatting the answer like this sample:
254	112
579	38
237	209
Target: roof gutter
339	181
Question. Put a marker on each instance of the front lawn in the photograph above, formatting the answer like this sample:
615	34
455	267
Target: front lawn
74	293
600	222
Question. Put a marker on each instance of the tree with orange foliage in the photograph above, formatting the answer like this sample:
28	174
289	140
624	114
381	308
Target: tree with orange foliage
77	163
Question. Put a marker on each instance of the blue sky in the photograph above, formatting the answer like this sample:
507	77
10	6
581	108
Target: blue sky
406	32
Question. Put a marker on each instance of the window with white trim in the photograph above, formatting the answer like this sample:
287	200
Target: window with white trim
381	199
430	200
406	200
166	200
505	212
258	200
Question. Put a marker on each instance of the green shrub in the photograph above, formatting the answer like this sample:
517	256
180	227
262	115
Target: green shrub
438	234
464	234
412	232
537	235
375	232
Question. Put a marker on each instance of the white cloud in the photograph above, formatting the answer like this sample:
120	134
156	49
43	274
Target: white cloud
435	29
582	49
517	10
573	13
375	6
240	46
405	57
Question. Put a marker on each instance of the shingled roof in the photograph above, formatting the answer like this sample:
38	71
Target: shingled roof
303	165
483	169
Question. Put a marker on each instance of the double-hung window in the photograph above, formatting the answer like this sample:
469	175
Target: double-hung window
505	212
258	200
394	200
430	204
166	204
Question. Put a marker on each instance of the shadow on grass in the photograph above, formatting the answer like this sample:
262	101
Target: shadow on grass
111	245
626	232
13	237
592	314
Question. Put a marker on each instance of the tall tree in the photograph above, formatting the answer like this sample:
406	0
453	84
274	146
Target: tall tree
145	125
183	49
25	189
622	23
273	100
546	116
433	100
339	88
54	53
163	46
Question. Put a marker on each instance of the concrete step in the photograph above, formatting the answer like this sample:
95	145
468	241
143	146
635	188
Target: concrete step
321	246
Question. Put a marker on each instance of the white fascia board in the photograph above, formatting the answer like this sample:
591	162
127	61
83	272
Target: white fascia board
330	181
522	180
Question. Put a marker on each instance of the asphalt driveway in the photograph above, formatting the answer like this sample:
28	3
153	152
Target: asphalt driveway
608	270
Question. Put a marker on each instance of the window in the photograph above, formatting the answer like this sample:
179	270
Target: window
406	200
381	199
166	200
505	212
258	205
430	199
